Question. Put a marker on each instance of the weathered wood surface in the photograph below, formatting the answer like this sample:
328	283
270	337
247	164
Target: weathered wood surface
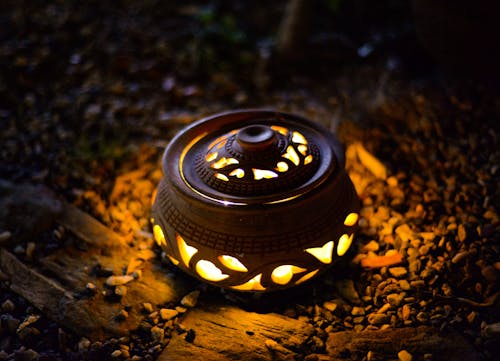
56	283
385	344
230	333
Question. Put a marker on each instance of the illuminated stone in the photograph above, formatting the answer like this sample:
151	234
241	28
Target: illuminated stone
344	244
209	271
232	263
324	254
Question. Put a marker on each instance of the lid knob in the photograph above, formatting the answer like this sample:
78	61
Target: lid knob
256	137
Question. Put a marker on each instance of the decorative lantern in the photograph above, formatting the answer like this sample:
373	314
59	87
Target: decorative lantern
254	200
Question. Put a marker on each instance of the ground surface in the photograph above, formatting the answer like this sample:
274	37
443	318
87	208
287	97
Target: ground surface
91	94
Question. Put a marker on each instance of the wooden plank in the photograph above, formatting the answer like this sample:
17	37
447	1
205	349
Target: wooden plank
56	283
385	344
224	333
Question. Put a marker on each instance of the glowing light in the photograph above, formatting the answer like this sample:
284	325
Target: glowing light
284	274
173	260
280	130
308	159
344	244
324	254
259	174
221	177
238	173
211	156
298	138
186	251
232	263
209	271
252	285
281	167
302	149
351	219
224	162
158	235
292	155
306	277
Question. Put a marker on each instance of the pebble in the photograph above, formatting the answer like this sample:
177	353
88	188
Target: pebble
4	236
8	306
395	299
26	355
147	307
191	299
91	287
398	271
167	314
404	285
377	319
157	334
371	246
83	344
118	280
459	257
404	355
136	358
357	311
490	274
116	353
330	306
384	308
121	290
406	312
30	249
180	309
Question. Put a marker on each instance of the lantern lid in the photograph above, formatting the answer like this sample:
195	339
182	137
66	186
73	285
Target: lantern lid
253	156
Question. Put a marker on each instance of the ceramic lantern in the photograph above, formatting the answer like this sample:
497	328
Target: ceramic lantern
254	200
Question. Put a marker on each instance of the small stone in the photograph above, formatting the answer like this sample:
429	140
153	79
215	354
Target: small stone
136	358
384	308
190	299
190	336
404	355
123	315
471	317
406	312
405	285
395	299
371	246
422	317
428	357
461	233
357	311
116	353
157	334
392	181
330	306
459	257
147	307
167	314
83	344
398	271
491	330
180	309
30	249
27	355
8	306
490	274
4	236
91	287
118	280
377	319
121	290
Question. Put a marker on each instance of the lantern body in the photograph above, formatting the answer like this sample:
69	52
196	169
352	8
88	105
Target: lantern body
254	200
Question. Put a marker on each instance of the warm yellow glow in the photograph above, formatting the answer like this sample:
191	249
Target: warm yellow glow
324	254
211	156
209	271
292	155
308	159
302	149
279	129
185	250
283	274
224	162
238	173
252	285
281	167
158	235
351	219
344	244
232	263
221	177
259	174
173	260
298	138
307	277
